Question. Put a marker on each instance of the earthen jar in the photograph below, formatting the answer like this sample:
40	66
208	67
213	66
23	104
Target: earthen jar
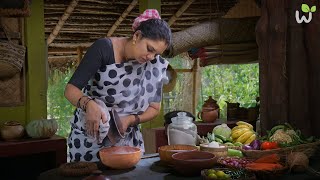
210	111
12	130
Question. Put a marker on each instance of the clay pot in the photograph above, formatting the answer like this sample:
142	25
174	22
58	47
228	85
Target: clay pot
12	130
208	115
210	110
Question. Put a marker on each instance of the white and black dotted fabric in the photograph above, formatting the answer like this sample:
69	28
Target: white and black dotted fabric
129	88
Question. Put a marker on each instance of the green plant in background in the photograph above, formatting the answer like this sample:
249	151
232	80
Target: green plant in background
230	83
58	106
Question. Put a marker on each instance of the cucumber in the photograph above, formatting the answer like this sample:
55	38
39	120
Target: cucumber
218	140
228	144
224	139
238	144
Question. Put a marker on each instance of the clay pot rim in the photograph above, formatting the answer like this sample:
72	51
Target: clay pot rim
12	123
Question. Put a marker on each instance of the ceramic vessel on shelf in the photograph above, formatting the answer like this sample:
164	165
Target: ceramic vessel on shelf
12	130
182	130
210	110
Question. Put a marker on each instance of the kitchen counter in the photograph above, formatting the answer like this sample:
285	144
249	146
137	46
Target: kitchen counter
151	168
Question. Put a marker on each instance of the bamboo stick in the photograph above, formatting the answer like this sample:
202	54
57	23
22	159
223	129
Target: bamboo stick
122	17
180	11
64	17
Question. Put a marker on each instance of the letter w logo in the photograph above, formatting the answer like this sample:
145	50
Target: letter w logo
305	8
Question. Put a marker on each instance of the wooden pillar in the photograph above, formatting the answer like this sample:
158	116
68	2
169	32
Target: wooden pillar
312	44
195	85
271	38
36	63
298	72
143	5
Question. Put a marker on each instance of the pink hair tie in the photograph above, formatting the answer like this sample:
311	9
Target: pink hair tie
147	14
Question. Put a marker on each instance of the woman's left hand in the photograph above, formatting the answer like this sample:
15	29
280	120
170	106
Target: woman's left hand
126	121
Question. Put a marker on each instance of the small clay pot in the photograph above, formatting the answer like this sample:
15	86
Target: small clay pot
12	130
208	114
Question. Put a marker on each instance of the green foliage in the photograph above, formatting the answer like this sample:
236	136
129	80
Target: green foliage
58	106
230	83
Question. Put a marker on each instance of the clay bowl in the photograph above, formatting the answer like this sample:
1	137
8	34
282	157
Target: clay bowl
192	162
120	157
166	152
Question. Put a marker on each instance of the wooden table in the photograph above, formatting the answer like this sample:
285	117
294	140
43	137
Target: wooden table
152	168
31	156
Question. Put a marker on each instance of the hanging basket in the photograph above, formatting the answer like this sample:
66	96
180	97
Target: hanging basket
172	80
12	56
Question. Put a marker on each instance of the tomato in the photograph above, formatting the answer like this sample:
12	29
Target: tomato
269	145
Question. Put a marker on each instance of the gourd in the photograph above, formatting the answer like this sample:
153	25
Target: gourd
43	128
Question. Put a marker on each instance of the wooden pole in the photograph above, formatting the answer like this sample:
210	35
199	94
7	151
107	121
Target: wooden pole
180	11
63	19
195	93
122	17
79	53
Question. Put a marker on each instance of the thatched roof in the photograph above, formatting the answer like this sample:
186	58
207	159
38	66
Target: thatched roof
88	20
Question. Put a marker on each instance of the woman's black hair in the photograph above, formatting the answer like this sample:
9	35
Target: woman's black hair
155	29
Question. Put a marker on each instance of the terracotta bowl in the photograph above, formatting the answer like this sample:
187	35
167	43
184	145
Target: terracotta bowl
192	162
120	157
166	152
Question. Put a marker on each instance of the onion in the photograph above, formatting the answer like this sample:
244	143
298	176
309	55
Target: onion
298	161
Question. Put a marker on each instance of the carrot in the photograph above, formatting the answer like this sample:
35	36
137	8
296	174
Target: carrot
263	166
272	158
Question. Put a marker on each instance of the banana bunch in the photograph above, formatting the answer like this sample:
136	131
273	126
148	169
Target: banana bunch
243	133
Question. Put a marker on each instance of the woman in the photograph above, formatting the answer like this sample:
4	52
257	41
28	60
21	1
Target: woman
126	74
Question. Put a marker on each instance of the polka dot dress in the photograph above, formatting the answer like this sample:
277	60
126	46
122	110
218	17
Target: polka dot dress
129	88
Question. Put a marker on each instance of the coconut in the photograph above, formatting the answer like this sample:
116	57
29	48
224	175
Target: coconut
298	161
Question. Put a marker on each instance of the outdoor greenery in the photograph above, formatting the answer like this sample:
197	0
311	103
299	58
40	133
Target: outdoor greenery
58	106
225	83
230	83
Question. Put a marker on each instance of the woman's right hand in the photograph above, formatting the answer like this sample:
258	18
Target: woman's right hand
94	114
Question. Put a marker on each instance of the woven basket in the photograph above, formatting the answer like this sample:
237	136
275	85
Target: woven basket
12	56
309	149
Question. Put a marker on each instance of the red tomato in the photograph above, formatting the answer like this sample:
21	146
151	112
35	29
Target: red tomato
269	145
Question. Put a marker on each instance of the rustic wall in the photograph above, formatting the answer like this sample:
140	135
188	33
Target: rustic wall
289	66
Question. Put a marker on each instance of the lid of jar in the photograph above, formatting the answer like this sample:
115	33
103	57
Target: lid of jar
181	116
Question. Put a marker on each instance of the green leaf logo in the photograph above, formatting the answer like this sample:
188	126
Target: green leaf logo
305	8
313	9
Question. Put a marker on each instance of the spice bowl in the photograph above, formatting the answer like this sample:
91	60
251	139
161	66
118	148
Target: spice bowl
220	151
166	152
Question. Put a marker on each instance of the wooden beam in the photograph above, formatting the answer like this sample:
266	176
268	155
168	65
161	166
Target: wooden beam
149	4
64	17
180	11
122	17
71	45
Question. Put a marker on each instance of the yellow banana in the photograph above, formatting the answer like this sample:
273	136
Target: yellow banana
237	133
244	123
239	127
250	139
244	137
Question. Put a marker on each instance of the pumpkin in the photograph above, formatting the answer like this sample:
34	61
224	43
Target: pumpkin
43	128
